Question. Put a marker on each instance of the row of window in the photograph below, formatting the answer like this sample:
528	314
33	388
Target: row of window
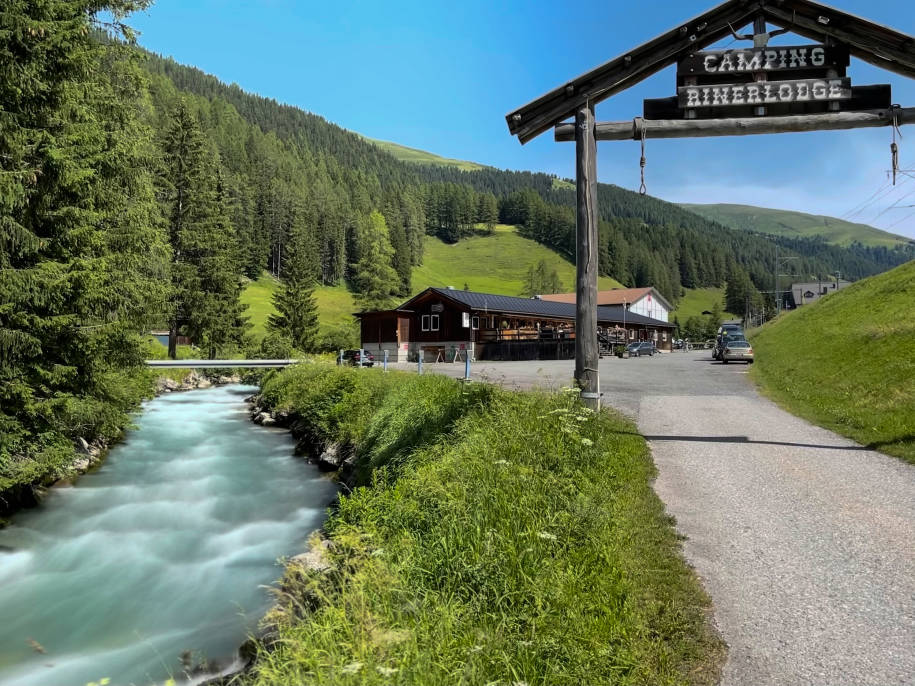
430	322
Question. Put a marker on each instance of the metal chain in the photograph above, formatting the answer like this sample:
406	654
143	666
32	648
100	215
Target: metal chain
894	149
642	188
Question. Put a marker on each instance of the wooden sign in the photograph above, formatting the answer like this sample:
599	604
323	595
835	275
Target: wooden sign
764	60
764	93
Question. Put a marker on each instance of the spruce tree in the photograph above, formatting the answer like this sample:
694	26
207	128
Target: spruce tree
206	263
373	277
296	317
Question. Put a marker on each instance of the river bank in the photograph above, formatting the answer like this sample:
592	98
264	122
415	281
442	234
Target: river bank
482	536
163	550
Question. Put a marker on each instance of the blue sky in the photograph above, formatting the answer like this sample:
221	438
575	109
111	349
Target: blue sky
442	76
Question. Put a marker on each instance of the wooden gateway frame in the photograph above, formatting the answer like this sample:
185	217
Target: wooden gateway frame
822	99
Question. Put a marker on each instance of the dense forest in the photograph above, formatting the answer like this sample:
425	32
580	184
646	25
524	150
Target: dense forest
136	193
643	240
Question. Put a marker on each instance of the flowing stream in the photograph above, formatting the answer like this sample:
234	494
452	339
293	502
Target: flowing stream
165	548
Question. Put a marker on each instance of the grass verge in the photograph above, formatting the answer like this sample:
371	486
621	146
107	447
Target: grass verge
848	362
496	537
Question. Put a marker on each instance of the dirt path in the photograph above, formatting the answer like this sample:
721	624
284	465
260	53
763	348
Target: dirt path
804	540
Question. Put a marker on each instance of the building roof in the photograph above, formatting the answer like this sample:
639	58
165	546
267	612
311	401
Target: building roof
873	43
534	307
615	296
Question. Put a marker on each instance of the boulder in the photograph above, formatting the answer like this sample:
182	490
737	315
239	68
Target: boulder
223	380
204	383
264	419
331	458
81	465
82	446
315	559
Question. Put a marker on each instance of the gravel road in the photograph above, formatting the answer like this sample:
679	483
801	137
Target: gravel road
804	540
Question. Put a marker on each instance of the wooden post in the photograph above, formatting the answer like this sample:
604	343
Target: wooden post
586	350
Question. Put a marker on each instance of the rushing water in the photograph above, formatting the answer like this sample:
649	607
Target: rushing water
165	548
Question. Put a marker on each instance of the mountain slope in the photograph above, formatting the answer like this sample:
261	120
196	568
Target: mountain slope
796	224
415	156
848	361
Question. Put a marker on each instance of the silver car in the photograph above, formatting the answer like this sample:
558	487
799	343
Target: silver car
737	350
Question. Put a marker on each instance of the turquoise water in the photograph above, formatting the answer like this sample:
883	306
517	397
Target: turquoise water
163	549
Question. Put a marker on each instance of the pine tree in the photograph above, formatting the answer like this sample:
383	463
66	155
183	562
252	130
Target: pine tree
206	261
373	277
296	317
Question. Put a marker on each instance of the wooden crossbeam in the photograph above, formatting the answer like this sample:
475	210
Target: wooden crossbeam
701	128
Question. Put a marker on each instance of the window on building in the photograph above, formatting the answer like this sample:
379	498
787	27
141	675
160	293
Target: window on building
663	335
426	322
632	334
475	323
434	325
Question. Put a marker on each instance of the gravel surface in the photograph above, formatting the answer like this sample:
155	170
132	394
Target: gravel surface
804	540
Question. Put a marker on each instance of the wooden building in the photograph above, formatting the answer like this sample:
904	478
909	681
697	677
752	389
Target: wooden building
442	324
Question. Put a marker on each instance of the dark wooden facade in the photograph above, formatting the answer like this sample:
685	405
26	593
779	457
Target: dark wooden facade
444	324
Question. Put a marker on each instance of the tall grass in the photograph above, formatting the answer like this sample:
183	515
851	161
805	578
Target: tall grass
498	537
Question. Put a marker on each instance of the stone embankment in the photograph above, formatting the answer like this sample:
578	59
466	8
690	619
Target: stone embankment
329	457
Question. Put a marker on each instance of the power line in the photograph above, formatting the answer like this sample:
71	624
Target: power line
895	204
887	193
857	208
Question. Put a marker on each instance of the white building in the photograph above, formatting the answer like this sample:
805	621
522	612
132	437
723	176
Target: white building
644	301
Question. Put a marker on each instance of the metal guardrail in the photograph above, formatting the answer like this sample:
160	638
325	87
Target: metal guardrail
219	364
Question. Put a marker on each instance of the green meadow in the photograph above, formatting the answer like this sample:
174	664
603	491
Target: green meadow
847	362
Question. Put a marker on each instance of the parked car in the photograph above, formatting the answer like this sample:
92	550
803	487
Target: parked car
728	332
354	357
737	349
640	348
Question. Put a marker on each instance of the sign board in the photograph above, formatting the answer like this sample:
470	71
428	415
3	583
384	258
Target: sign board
764	93
765	81
764	60
437	307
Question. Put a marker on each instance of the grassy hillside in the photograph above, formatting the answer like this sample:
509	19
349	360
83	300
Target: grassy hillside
491	264
405	154
695	301
795	224
848	362
335	303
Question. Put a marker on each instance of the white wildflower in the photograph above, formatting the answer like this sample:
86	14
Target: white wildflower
386	671
352	668
476	649
501	462
587	442
547	535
